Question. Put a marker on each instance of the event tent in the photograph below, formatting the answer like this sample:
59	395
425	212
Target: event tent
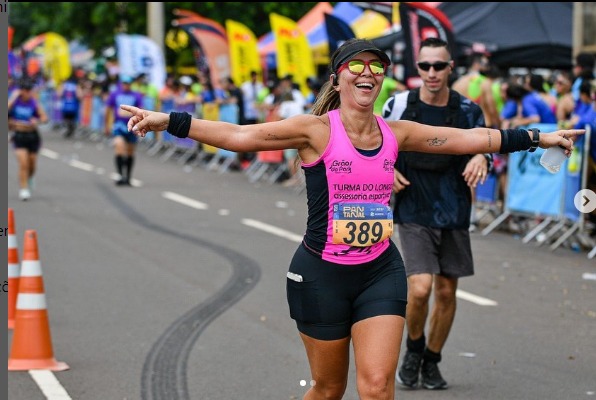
516	34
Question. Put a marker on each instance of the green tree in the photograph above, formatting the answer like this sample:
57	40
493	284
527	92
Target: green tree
93	24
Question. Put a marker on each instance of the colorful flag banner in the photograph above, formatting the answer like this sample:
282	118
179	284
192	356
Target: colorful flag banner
311	24
56	58
338	31
139	54
420	22
211	44
244	55
294	56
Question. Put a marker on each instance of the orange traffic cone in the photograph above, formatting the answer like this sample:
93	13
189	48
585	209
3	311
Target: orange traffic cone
31	342
14	270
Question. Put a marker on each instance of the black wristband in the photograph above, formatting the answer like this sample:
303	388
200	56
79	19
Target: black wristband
179	124
514	140
535	139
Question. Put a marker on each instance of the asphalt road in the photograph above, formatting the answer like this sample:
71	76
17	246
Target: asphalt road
175	289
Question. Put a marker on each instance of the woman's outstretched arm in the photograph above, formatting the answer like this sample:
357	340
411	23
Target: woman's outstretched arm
413	136
293	132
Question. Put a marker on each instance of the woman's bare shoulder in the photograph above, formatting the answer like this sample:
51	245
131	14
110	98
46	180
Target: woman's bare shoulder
308	123
314	119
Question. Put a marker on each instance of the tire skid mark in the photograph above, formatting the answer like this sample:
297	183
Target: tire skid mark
164	374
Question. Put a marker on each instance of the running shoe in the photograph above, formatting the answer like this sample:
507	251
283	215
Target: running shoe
122	182
431	376
410	369
24	194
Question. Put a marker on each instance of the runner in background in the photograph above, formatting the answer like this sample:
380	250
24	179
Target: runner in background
25	114
124	142
476	85
70	93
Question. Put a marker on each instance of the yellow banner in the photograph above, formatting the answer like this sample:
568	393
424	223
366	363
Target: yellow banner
395	21
294	56
56	58
244	52
210	113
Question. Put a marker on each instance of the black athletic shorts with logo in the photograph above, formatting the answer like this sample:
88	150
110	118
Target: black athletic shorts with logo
326	299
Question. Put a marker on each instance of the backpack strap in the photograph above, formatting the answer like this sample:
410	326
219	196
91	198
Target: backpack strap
411	112
452	108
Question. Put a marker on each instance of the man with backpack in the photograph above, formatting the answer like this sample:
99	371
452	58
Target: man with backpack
432	208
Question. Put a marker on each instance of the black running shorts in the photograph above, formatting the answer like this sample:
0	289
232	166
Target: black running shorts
31	141
326	299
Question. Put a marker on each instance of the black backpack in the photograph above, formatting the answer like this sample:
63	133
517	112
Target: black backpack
412	113
426	161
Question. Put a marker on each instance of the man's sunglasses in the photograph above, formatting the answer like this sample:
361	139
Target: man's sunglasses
356	67
438	66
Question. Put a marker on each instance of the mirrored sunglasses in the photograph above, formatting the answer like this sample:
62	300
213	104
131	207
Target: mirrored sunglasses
356	67
438	66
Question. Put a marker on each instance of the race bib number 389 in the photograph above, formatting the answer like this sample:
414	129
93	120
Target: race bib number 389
361	224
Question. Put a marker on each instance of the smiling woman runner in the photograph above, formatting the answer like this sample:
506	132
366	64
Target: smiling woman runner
346	281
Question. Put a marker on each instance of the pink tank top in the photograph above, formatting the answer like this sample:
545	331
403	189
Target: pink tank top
359	220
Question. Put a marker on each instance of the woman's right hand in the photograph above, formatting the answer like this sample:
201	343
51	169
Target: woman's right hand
143	121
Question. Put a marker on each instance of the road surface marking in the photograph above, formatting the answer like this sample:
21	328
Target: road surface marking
87	167
481	301
81	165
49	385
272	229
187	201
49	154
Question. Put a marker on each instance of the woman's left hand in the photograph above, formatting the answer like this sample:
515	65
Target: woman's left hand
562	138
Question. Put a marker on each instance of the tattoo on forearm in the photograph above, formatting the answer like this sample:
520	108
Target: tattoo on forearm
490	139
436	142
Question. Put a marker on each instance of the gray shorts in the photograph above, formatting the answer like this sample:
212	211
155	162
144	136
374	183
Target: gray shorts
446	252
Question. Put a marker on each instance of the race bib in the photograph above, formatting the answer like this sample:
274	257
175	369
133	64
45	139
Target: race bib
361	224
